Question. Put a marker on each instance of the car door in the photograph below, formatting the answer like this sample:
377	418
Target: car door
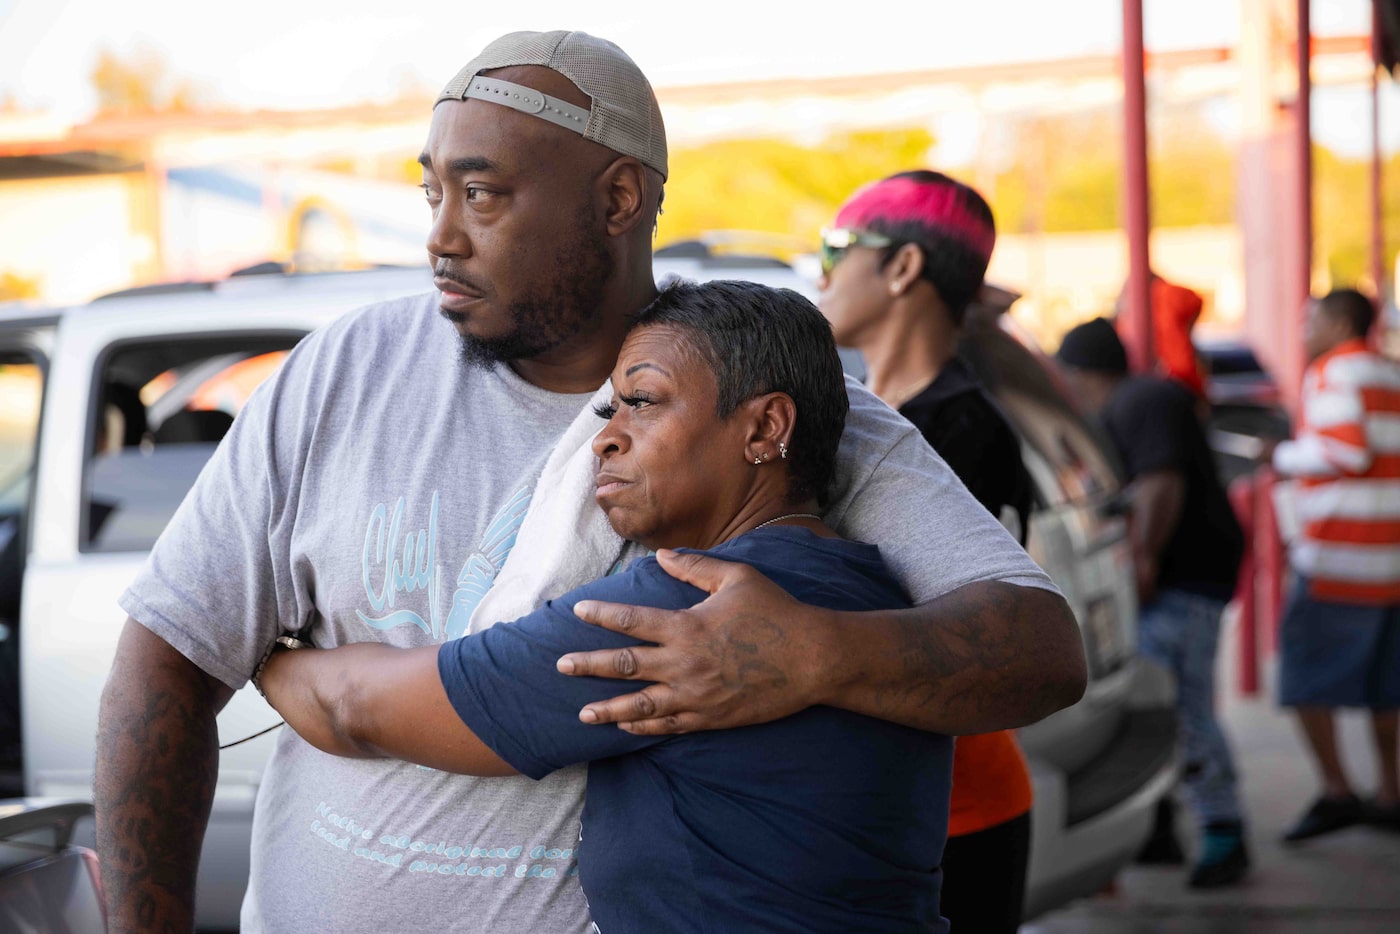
139	388
26	340
138	400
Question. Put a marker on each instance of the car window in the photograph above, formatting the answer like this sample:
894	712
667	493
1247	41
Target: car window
161	409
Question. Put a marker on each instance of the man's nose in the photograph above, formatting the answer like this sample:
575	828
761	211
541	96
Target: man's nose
446	236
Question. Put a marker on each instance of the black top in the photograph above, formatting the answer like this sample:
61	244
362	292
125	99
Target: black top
1154	425
967	429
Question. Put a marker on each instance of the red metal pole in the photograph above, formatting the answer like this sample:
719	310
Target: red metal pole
1377	186
1242	494
1305	167
1270	560
1136	218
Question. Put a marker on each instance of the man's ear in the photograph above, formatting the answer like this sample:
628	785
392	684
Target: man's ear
624	185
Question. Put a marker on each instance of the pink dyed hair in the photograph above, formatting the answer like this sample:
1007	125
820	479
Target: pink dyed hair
940	205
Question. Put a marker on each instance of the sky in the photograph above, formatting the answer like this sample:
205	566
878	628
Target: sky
295	54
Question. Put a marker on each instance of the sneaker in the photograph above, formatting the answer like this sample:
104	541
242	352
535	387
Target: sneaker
1384	817
1325	816
1162	848
1224	858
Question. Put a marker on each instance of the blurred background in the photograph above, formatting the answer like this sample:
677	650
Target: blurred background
149	141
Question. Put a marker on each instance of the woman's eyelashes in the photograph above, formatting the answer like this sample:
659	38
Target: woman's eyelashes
608	410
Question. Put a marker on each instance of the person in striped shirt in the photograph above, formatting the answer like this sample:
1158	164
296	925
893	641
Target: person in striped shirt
1340	635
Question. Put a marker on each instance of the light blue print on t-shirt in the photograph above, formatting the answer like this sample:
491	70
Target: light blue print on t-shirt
480	571
386	575
394	562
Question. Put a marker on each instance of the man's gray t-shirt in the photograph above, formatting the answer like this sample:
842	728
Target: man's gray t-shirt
375	485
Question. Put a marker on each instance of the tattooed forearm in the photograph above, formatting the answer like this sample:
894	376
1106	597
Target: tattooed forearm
987	656
157	761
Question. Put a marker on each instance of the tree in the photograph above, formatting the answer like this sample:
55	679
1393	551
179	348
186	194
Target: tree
14	287
141	83
777	186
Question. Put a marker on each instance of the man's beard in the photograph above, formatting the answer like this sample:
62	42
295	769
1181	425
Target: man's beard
570	306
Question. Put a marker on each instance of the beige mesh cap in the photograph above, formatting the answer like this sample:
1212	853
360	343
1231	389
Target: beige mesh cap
624	115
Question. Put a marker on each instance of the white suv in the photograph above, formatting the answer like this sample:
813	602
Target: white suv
111	409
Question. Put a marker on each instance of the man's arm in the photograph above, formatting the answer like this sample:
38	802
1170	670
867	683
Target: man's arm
368	701
987	656
1158	496
157	763
1336	443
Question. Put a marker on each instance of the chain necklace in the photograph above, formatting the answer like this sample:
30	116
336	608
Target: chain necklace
791	515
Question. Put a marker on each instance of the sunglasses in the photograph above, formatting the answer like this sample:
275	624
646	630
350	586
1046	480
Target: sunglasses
837	240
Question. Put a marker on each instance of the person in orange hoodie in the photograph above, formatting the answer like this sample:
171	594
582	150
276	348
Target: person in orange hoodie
1175	311
906	257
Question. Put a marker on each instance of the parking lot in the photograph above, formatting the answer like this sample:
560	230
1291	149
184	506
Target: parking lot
1344	883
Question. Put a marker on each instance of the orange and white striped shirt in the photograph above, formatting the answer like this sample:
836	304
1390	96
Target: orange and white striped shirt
1346	456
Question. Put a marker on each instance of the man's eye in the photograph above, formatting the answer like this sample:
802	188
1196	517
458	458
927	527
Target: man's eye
476	194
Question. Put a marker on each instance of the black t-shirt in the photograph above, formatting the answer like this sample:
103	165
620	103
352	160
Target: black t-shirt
967	429
1154	425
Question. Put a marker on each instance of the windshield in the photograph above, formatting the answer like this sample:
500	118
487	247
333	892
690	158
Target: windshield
21	393
1070	463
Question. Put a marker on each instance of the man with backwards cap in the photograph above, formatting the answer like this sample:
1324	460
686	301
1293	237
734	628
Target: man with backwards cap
372	490
1187	547
905	258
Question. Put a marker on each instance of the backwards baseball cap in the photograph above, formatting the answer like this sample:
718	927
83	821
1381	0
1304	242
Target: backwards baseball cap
623	114
1094	346
931	200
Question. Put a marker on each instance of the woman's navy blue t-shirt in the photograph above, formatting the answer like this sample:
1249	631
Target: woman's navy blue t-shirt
822	821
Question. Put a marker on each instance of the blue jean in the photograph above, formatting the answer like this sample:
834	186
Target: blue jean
1180	631
1338	654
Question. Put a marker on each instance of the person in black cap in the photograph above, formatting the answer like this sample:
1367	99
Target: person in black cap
1187	547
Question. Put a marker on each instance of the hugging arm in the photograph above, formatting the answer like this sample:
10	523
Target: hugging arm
987	656
369	700
984	649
